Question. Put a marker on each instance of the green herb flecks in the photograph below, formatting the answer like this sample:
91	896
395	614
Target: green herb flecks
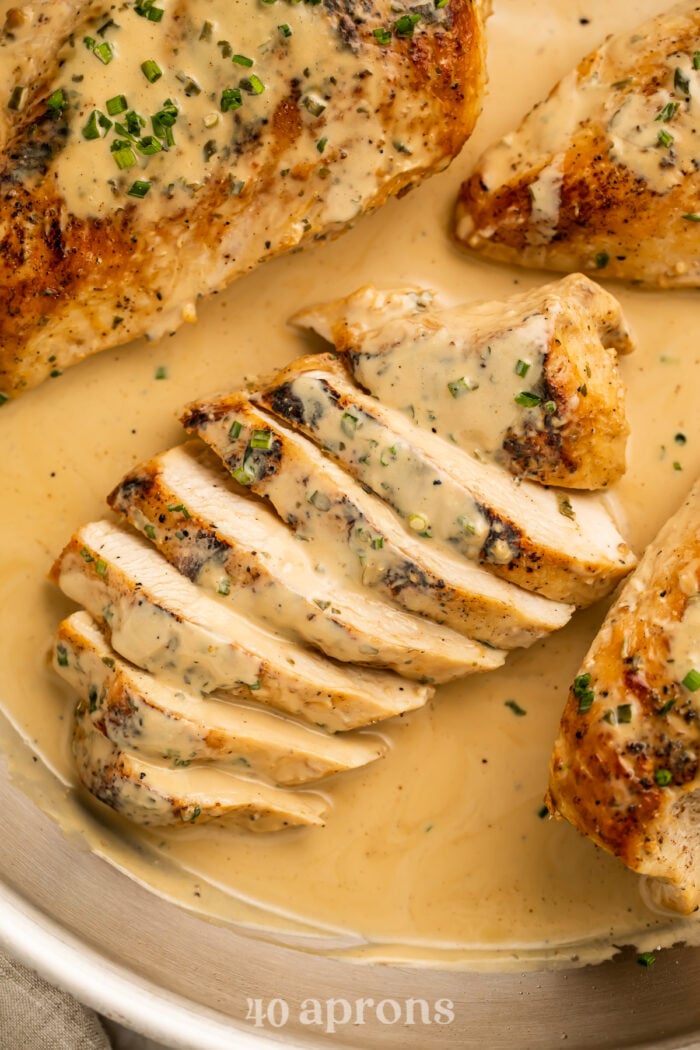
515	707
583	693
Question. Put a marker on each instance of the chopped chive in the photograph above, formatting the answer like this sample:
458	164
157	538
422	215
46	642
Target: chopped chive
696	59
692	216
377	543
224	586
253	84
515	707
235	430
179	508
404	26
285	30
124	158
189	85
692	681
461	386
668	112
61	655
666	707
85	554
646	959
161	372
583	694
681	82
321	144
550	407
231	98
150	531
527	399
382	36
56	100
104	52
236	186
664	138
101	567
466	525
244	475
149	145
92	129
261	439
320	501
601	260
663	777
151	70
242	60
148	10
314	104
418	522
116	105
206	30
18	98
349	424
565	507
624	713
522	368
139	188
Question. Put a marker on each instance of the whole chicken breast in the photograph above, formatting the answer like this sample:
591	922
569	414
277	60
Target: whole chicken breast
626	766
604	175
156	149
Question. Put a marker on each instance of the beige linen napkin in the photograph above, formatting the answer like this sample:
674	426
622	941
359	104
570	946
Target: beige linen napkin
36	1016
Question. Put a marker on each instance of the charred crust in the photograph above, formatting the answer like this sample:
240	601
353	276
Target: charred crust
133	489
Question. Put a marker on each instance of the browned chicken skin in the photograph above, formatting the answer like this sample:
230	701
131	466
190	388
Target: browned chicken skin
292	143
625	769
603	176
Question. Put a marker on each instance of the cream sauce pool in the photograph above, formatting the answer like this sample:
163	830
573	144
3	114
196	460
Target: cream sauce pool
437	853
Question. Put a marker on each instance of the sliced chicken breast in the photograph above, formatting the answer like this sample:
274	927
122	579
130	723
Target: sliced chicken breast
530	382
151	719
356	531
604	175
626	765
236	547
162	622
154	794
155	153
565	547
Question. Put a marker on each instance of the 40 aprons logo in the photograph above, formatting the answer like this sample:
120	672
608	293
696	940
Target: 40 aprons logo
332	1014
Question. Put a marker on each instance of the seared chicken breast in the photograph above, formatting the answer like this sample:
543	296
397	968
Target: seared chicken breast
531	382
604	175
163	623
153	793
150	718
626	766
326	507
154	151
565	547
236	547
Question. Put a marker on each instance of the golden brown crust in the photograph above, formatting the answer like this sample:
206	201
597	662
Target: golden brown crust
70	286
621	765
613	219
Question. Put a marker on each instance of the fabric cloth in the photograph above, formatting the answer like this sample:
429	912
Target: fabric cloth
36	1016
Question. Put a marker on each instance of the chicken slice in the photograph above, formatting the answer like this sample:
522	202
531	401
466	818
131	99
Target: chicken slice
360	535
235	546
154	794
530	382
152	160
149	718
604	175
626	766
565	547
162	622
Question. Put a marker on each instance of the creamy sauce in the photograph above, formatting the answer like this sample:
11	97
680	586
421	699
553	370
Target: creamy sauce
436	853
685	646
176	100
654	135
